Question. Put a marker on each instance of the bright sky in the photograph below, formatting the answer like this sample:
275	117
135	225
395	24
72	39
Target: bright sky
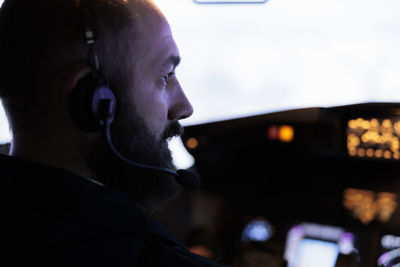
241	60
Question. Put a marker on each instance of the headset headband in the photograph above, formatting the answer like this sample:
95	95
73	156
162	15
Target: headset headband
87	21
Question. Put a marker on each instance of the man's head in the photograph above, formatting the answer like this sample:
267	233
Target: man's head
44	56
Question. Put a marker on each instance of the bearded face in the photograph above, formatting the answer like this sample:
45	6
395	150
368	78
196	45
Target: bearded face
151	189
151	102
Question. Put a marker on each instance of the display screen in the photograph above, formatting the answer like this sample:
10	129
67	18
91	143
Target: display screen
374	138
317	245
315	253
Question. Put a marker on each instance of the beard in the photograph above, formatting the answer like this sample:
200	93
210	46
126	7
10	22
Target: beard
130	135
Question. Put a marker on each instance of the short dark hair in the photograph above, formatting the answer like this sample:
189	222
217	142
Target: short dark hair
40	38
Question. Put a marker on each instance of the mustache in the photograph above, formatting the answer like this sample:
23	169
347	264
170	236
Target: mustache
174	129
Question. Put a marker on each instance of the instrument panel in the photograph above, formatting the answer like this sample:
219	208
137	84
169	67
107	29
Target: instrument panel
335	168
374	138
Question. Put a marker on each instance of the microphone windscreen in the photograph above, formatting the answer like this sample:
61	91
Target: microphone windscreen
188	179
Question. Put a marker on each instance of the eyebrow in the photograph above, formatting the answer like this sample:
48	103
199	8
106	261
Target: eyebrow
172	60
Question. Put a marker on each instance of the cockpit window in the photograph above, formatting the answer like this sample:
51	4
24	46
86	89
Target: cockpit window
247	59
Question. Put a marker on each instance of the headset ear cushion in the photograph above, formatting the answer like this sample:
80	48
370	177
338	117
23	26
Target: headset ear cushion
80	104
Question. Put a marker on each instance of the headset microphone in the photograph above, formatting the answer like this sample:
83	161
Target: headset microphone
187	179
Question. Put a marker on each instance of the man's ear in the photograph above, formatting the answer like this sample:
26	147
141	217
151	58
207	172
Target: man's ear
71	76
65	83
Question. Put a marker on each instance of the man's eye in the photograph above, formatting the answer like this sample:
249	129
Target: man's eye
166	77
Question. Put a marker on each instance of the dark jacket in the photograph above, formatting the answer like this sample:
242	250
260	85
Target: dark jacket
51	217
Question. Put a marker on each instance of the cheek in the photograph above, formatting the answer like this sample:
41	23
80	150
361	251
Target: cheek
151	104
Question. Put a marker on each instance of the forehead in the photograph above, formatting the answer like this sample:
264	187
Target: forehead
153	32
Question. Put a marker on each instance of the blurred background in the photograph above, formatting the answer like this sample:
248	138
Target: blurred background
295	131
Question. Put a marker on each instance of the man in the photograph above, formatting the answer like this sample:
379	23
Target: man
70	195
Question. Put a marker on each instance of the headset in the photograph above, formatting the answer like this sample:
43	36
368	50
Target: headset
93	104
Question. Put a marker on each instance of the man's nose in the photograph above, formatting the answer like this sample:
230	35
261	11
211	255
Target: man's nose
180	107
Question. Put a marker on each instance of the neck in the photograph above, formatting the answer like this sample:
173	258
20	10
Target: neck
55	150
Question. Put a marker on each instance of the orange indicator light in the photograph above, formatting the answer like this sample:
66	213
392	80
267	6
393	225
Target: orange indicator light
273	132
192	143
286	133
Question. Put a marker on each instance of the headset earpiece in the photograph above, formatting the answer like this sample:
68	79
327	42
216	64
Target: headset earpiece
86	104
92	103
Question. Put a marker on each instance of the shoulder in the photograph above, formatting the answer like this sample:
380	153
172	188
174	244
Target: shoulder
56	218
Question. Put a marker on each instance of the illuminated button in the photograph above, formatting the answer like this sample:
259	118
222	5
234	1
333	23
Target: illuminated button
286	133
395	144
375	125
352	151
397	128
352	124
192	143
361	152
353	140
370	152
378	153
365	124
272	132
257	230
387	126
